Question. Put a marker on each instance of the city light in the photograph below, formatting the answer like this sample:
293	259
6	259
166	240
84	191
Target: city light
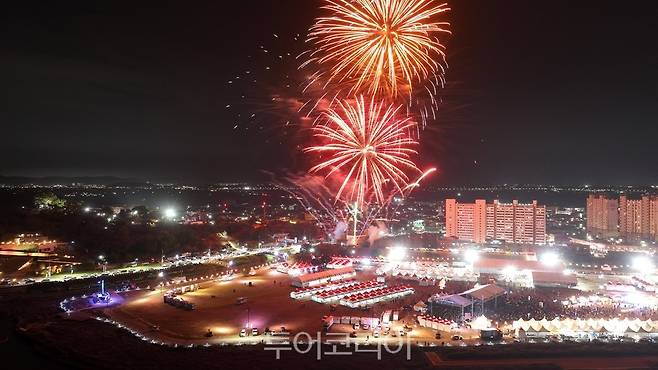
643	264
549	259
509	272
160	274
471	256
170	213
397	253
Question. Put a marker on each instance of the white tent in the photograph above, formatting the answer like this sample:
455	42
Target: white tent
600	326
420	307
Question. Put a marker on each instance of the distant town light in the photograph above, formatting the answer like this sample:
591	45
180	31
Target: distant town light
160	274
87	209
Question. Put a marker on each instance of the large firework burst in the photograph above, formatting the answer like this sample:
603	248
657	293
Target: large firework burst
383	48
369	150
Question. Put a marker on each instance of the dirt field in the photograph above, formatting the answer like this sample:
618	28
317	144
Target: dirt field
268	306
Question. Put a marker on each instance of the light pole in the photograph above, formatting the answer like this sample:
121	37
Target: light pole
103	262
161	275
248	319
354	211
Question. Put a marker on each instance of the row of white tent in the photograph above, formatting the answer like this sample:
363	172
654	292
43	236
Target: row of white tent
562	326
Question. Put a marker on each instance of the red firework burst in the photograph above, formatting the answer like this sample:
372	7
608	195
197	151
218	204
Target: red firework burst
369	150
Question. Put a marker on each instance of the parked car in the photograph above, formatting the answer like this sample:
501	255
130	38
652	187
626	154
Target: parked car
243	332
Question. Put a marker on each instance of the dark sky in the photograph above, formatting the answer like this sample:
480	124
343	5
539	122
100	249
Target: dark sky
540	91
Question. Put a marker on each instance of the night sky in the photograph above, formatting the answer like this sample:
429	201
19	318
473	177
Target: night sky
560	92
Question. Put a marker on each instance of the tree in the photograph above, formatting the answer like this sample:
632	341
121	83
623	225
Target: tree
49	201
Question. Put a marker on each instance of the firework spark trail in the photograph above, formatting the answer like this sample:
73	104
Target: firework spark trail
369	147
383	48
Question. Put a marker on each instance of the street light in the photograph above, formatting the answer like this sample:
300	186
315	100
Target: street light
471	256
509	273
103	262
643	264
161	275
170	213
549	259
397	253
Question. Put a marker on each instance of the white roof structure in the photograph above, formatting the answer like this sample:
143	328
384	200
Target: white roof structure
615	325
455	300
484	292
325	274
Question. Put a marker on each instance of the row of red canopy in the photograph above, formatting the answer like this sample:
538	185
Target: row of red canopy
381	292
350	289
439	320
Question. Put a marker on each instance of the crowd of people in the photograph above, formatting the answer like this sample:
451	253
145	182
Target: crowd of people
539	303
550	303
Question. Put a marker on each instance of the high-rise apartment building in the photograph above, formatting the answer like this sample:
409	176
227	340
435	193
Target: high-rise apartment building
637	217
468	220
512	222
629	218
602	216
